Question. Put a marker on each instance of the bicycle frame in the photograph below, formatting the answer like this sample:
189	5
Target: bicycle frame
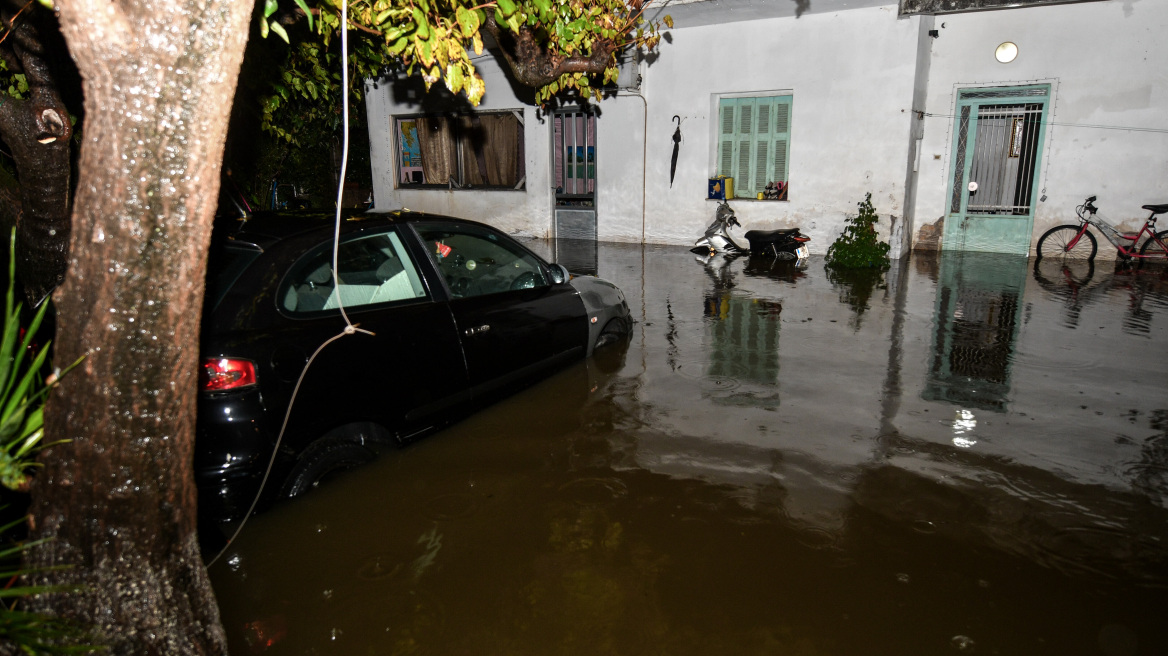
1089	215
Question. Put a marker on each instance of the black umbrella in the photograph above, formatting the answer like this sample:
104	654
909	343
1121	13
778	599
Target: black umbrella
676	147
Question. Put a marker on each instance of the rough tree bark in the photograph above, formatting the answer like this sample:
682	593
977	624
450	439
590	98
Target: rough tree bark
37	132
119	499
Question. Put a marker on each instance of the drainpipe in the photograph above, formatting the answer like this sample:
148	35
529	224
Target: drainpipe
644	157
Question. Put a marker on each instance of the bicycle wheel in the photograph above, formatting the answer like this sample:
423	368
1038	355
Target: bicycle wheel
1054	244
1153	248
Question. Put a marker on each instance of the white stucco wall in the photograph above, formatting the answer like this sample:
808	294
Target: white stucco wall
1108	71
851	77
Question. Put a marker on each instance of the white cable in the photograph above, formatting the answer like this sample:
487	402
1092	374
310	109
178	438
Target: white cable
349	328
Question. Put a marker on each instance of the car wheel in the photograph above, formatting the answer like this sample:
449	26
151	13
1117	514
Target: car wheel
613	332
321	461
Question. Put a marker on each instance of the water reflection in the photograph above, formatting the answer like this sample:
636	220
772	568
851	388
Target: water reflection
660	499
976	321
1079	284
855	287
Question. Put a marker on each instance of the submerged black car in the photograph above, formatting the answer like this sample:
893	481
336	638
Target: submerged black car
448	315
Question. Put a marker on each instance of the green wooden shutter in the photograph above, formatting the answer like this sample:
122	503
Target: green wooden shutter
753	142
744	139
781	139
726	113
760	169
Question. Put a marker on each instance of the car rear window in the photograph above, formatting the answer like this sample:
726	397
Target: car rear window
224	266
374	269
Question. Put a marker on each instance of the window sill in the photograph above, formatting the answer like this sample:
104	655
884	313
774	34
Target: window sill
753	200
446	188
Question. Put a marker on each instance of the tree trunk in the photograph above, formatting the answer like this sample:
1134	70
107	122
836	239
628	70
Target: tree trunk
119	498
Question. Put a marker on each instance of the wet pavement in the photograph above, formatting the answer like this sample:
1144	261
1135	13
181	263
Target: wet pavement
965	454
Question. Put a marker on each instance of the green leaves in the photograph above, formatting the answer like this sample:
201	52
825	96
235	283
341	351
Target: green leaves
506	7
270	7
468	21
308	14
22	390
279	30
859	246
423	26
438	38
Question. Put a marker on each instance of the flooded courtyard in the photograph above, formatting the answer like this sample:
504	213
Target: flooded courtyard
965	454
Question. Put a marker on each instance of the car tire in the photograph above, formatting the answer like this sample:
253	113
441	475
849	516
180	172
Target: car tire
614	331
323	459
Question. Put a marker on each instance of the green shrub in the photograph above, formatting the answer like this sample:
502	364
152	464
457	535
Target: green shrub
859	247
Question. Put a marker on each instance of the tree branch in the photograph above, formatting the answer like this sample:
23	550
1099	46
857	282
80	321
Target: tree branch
38	131
535	65
12	21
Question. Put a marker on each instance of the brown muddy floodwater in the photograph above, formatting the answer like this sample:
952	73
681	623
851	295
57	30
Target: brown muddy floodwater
964	455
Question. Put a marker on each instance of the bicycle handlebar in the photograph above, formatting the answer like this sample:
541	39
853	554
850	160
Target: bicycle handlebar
1089	205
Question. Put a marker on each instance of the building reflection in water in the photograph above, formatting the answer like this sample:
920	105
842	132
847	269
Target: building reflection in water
743	332
976	317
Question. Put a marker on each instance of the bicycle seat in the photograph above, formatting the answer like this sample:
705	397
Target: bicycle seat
1157	209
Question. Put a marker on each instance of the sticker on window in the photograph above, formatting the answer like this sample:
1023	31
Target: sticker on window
442	249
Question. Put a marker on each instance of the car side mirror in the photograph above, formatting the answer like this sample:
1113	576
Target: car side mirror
559	274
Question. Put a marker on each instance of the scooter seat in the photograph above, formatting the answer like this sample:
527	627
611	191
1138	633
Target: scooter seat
764	235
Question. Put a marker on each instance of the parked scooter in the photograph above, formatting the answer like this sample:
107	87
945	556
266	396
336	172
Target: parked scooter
785	244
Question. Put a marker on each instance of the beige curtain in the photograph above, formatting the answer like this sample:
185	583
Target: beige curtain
492	149
436	141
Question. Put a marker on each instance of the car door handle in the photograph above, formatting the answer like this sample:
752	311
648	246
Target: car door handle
471	332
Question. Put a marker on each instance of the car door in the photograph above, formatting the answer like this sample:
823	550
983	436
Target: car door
403	367
512	321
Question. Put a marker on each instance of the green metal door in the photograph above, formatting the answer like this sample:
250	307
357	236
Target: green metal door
997	147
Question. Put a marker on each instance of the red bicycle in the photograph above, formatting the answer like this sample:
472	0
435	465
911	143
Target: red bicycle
1075	242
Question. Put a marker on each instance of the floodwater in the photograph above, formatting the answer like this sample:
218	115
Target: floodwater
962	455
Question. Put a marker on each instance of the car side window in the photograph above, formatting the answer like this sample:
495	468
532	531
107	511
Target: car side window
476	261
372	269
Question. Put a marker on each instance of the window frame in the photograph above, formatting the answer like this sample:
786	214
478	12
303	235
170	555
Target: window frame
770	129
461	159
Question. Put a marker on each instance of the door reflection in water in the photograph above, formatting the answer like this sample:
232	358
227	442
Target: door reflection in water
976	320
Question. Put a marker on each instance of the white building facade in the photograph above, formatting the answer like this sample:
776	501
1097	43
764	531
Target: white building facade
972	130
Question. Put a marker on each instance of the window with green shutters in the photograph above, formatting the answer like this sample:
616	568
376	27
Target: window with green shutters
754	144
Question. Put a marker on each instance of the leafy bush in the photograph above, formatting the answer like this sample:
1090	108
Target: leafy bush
858	247
22	390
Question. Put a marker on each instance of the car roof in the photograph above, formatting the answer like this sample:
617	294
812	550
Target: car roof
265	228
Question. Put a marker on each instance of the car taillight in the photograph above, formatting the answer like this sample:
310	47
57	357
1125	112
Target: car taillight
220	374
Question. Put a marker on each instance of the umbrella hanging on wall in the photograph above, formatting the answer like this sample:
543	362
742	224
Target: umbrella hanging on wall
676	147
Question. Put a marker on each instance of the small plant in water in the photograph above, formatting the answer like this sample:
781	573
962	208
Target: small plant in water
857	260
859	246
